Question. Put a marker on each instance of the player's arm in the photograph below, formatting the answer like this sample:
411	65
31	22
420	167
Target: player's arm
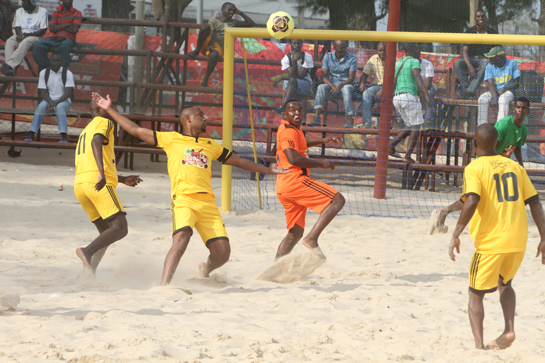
511	87
363	81
68	93
420	82
492	89
132	128
96	145
539	218
296	159
314	141
131	180
249	165
470	205
248	22
518	155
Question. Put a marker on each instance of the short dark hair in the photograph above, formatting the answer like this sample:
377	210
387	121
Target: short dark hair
522	99
56	54
480	11
288	101
224	5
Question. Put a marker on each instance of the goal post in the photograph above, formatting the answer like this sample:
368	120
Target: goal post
381	168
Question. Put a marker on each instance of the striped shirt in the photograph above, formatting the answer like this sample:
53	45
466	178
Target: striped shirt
60	17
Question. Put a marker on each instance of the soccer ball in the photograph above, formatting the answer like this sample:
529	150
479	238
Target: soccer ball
280	25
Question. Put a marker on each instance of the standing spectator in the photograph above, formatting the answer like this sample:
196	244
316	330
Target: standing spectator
408	81
338	73
64	25
211	36
56	88
472	60
297	81
503	76
375	67
165	10
427	73
29	25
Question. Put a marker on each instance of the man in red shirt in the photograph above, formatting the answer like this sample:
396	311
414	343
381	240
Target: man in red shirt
64	26
296	190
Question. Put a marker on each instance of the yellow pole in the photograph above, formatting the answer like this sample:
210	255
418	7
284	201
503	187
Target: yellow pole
228	80
251	118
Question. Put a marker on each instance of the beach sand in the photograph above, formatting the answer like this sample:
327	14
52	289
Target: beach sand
387	291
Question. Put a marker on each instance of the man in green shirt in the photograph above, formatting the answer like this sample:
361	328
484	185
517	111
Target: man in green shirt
512	135
406	102
211	36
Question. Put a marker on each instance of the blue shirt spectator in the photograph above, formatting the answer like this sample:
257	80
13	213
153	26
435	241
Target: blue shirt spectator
338	69
503	76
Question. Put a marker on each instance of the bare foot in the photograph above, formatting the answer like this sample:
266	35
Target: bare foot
504	341
203	270
204	83
193	53
408	159
313	247
85	259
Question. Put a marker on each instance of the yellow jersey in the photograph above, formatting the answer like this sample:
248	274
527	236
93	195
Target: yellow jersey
190	161
86	166
500	223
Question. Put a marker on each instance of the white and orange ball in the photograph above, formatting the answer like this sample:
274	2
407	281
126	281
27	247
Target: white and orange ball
280	25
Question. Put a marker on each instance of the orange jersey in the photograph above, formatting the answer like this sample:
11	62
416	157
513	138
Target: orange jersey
290	137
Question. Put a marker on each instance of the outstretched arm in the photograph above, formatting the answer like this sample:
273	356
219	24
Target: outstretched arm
539	217
296	159
143	134
249	165
131	180
314	141
468	210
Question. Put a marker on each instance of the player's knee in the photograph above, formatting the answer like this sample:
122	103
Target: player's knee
339	200
205	28
214	56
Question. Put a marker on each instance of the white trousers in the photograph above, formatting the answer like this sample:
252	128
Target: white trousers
503	103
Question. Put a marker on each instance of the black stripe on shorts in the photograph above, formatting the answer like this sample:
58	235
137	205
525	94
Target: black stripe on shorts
328	193
474	269
112	194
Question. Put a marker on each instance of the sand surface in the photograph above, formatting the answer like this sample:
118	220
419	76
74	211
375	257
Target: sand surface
386	292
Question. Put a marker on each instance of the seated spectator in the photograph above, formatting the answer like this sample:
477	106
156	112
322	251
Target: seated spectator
375	67
338	73
427	73
297	81
408	82
211	36
56	88
29	25
5	18
472	59
64	25
503	77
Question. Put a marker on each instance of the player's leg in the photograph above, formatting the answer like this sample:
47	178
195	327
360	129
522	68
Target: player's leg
476	317
400	105
204	33
101	225
220	250
180	240
326	216
415	121
295	221
213	58
503	104
482	108
286	246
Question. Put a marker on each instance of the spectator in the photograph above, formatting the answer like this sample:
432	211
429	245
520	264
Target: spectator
5	18
211	35
472	59
406	102
375	67
338	73
30	25
297	81
165	10
503	76
427	73
64	25
56	88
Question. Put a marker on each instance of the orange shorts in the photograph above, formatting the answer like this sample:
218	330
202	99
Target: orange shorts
204	49
309	193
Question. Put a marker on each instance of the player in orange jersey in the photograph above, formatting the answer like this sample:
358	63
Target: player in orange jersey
296	190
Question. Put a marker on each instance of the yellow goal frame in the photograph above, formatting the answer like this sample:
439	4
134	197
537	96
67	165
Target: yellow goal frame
320	34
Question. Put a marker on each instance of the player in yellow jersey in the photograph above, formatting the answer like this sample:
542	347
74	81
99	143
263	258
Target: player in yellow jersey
193	203
95	183
496	190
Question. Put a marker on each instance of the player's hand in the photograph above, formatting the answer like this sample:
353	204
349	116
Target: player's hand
427	96
20	37
541	250
494	100
334	139
501	91
362	87
210	48
328	164
472	71
104	103
100	183
454	243
335	89
235	10
297	55
275	169
379	94
132	180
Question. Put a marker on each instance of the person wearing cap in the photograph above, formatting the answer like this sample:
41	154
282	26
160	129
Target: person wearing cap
472	63
29	26
502	76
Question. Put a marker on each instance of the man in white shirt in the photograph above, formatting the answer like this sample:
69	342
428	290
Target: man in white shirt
297	80
426	71
56	88
29	25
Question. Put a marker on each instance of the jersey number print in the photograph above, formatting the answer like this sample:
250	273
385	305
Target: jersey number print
505	193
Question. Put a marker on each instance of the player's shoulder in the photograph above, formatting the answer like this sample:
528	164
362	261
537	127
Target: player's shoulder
41	9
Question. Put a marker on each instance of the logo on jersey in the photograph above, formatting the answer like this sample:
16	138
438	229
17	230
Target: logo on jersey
508	151
195	158
498	164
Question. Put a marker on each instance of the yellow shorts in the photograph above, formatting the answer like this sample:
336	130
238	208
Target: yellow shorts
486	270
199	211
204	48
104	204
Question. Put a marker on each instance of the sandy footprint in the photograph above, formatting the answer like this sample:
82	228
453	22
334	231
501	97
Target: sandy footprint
293	267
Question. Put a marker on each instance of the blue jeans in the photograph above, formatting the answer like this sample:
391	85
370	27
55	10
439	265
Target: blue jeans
61	110
324	90
64	47
461	70
367	103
